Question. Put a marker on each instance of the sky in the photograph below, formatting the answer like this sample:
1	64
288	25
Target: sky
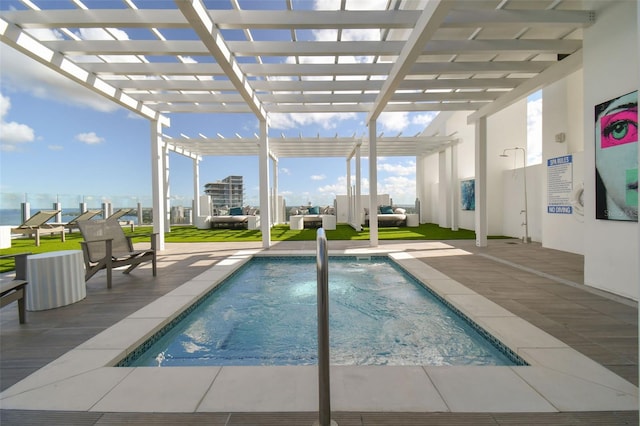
59	140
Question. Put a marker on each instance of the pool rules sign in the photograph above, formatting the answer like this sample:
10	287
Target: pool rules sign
559	184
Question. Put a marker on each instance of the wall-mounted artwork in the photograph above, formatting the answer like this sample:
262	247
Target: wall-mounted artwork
616	137
468	194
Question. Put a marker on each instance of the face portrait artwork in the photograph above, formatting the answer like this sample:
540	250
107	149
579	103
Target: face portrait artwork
616	125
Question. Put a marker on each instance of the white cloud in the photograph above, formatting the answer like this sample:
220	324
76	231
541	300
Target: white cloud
398	169
23	74
424	119
291	121
393	121
350	4
12	133
55	147
318	177
285	171
534	131
401	189
326	5
327	193
89	138
366	4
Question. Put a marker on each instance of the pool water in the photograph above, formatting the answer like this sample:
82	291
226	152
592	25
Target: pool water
265	314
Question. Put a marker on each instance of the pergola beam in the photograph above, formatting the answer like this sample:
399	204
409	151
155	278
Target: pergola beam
317	70
15	37
291	19
300	48
563	68
429	21
200	20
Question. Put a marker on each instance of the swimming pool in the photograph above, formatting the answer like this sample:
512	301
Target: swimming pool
265	314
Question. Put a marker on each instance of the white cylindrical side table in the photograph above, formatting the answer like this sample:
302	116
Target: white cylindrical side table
329	222
296	222
413	220
55	279
5	236
253	222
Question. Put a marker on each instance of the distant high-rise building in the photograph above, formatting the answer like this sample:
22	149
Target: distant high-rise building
229	192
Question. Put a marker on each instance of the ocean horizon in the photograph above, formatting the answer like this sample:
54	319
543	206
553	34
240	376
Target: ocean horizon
13	217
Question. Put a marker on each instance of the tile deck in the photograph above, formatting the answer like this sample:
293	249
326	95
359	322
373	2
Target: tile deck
581	345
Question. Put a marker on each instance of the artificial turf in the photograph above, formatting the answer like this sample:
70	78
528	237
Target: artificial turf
191	234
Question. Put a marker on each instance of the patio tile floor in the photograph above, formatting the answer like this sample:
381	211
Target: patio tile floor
541	286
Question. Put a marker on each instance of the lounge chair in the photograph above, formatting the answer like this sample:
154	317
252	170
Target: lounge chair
15	290
105	246
73	223
37	225
120	213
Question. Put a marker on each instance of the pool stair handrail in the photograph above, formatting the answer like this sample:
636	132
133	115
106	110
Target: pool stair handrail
324	386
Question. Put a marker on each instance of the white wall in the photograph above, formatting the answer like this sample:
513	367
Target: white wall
444	192
466	152
429	195
505	129
562	112
610	69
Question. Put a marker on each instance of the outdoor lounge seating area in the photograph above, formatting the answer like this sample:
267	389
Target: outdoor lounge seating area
234	218
312	217
388	216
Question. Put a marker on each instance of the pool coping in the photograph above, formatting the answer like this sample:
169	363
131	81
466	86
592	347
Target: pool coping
558	378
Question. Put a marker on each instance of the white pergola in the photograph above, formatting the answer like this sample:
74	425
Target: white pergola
219	57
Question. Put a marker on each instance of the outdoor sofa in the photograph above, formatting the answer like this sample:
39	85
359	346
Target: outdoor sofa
238	218
388	216
311	217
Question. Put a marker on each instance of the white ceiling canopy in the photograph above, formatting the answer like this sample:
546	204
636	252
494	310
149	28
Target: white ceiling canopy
160	58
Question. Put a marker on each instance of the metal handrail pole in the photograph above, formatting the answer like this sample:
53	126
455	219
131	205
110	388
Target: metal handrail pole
322	266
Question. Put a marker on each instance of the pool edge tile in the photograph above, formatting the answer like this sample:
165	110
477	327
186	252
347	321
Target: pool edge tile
269	389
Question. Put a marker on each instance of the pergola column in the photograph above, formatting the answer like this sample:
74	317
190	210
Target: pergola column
157	181
454	188
350	199
167	190
373	185
358	208
444	190
481	181
419	186
263	170
274	195
196	190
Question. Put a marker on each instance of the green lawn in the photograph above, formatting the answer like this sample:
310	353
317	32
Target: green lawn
190	234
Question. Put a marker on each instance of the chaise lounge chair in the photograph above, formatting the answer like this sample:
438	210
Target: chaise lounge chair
121	213
105	246
73	223
37	225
